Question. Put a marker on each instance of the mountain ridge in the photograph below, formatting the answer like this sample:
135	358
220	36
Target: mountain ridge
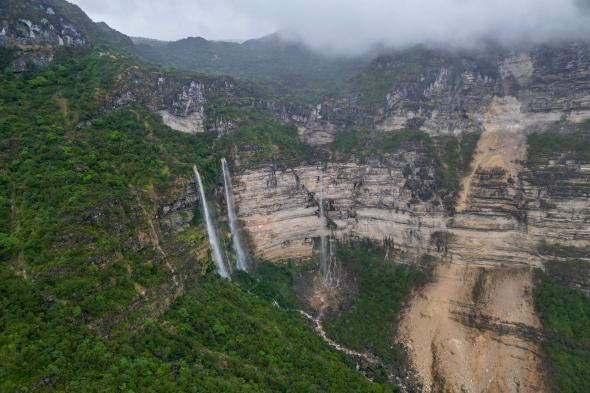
448	190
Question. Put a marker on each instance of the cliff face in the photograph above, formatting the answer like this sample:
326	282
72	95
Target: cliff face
474	328
390	198
26	23
443	92
477	316
181	101
36	29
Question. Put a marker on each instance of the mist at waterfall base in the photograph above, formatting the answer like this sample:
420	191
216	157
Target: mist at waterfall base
222	269
241	256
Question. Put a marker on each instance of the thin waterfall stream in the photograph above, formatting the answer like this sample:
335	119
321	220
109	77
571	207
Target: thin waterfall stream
323	241
241	256
211	231
329	267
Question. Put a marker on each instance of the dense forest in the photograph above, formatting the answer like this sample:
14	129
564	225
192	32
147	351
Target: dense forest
100	293
77	313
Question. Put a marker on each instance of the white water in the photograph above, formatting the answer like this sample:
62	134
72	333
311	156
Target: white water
329	267
320	330
323	241
213	240
241	257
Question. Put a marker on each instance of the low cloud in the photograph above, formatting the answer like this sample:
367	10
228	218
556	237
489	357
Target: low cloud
350	26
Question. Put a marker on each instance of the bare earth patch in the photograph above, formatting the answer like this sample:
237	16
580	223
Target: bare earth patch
460	344
474	329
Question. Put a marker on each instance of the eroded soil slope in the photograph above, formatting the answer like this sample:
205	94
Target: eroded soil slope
474	329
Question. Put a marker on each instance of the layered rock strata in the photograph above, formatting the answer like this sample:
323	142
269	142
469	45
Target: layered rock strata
474	328
442	92
390	200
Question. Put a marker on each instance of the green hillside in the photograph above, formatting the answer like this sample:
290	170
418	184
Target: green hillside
91	296
277	67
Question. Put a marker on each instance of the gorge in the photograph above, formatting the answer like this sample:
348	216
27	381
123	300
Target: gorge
415	219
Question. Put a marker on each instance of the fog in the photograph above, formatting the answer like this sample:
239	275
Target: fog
350	27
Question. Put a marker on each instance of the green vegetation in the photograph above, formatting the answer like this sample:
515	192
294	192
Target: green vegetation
65	13
564	311
367	322
85	275
348	142
453	159
359	143
571	368
263	138
565	314
7	55
548	144
72	196
405	68
270	66
272	282
376	80
216	338
563	250
224	110
451	156
386	142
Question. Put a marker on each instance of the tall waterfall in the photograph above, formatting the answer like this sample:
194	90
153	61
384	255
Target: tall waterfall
241	257
329	265
323	241
213	240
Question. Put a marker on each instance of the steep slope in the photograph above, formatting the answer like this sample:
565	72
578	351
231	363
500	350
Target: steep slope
107	281
278	66
475	327
105	260
33	30
55	22
442	92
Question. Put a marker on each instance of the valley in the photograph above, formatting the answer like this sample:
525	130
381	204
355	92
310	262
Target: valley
212	216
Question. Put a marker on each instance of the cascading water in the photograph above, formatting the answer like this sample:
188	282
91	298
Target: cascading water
213	240
329	268
241	256
323	240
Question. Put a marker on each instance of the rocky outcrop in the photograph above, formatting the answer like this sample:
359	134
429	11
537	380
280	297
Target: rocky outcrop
389	199
474	328
26	24
557	191
36	29
181	101
443	92
178	214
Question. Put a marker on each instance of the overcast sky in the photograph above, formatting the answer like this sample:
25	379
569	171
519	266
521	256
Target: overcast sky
347	26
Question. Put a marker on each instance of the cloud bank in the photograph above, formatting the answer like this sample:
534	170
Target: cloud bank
350	26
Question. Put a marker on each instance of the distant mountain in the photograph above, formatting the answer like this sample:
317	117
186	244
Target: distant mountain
286	68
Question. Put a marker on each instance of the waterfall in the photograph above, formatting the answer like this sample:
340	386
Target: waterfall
329	266
241	258
213	240
323	241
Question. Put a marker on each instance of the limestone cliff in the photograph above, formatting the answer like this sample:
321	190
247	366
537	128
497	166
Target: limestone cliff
388	199
474	328
180	100
445	92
